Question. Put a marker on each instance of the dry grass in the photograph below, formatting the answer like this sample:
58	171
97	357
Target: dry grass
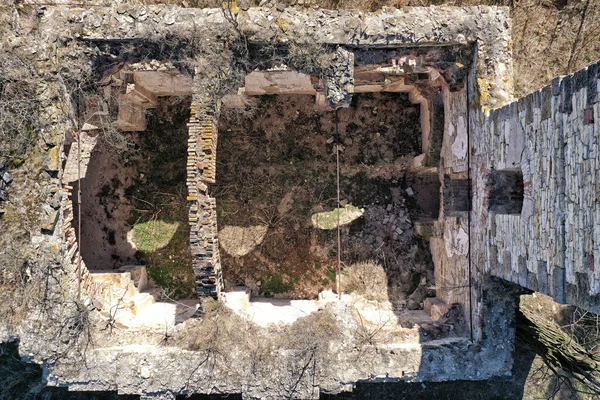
238	241
367	279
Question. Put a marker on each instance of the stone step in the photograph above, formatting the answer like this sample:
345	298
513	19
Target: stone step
141	302
157	316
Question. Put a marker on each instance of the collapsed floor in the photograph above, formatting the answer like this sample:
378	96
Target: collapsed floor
276	174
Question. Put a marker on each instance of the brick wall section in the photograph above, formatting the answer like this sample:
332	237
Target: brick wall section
201	172
553	136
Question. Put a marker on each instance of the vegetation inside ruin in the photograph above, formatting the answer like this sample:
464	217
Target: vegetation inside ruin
550	38
158	196
276	169
135	201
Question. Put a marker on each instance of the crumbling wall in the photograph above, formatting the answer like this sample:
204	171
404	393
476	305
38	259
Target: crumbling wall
552	137
132	367
201	171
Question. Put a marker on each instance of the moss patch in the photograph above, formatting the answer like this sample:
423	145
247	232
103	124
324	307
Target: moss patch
153	235
329	219
277	283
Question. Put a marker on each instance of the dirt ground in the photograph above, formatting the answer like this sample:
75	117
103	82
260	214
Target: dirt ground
145	182
276	167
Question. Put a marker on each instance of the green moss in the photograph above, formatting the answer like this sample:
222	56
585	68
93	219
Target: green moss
153	235
329	219
331	274
277	284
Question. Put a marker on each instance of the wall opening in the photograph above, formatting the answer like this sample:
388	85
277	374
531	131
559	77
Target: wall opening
456	196
506	191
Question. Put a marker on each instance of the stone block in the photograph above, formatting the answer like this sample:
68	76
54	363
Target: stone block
556	85
508	266
572	294
7	178
580	79
542	277
50	222
52	161
522	265
532	281
558	285
437	308
593	75
566	87
546	102
528	109
259	83
154	84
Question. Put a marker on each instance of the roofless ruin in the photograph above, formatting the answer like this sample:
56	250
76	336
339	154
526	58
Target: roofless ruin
280	204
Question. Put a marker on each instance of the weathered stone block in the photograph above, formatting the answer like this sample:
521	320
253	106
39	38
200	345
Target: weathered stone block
528	110
507	266
522	264
278	82
558	284
593	75
580	79
542	277
556	85
546	102
52	161
532	281
50	222
566	87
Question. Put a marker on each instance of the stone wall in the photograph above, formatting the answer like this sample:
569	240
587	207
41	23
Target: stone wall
201	173
138	365
553	244
489	27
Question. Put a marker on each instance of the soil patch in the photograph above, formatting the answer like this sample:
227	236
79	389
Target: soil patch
276	168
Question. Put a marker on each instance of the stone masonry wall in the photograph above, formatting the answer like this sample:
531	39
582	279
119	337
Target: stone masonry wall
489	27
201	171
552	136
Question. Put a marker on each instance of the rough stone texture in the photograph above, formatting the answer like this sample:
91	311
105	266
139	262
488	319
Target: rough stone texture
259	83
421	26
552	244
201	167
155	371
121	363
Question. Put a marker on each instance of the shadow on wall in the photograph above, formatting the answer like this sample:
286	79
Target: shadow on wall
21	381
510	389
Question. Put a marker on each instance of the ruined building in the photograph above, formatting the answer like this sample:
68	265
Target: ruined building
477	190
